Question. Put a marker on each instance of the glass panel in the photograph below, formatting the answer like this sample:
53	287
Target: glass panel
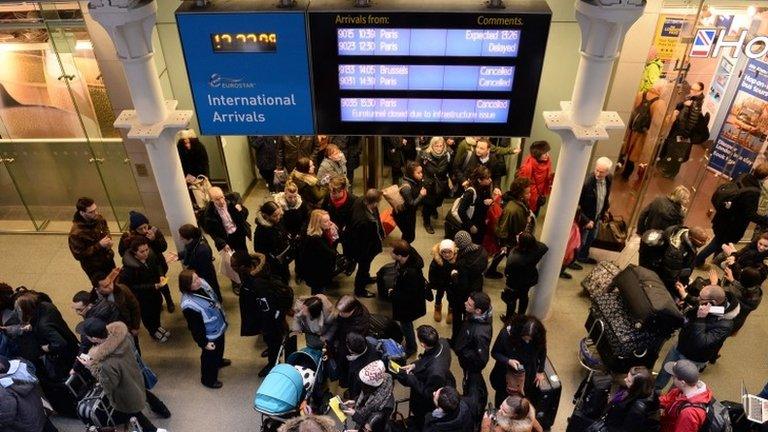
116	173
14	215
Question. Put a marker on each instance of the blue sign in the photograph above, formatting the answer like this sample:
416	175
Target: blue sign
249	72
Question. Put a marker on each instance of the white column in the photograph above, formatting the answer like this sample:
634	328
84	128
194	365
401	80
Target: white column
153	120
580	123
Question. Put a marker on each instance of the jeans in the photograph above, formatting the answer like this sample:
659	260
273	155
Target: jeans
714	247
410	336
587	237
673	355
210	362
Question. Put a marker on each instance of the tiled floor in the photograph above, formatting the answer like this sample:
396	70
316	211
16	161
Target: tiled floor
43	262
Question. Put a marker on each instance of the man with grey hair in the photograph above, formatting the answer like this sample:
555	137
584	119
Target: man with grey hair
594	205
225	220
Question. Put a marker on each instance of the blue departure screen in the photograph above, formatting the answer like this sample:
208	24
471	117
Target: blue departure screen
428	42
425	77
424	110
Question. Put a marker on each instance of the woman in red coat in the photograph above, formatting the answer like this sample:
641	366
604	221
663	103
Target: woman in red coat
538	168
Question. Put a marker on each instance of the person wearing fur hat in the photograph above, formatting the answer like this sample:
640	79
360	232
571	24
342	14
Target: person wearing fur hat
295	213
377	395
194	157
538	168
309	423
271	239
443	263
139	226
112	360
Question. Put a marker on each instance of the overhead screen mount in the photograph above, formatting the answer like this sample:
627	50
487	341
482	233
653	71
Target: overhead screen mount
406	69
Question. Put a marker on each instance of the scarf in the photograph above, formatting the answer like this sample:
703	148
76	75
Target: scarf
341	201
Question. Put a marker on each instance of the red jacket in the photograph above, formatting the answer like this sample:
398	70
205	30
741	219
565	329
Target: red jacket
675	419
540	174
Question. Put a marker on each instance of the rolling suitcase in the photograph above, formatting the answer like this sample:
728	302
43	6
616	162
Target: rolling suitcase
548	398
384	327
648	302
600	278
591	398
578	422
385	280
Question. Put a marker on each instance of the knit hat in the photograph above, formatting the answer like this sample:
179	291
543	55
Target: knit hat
684	370
136	219
95	327
373	373
446	244
463	240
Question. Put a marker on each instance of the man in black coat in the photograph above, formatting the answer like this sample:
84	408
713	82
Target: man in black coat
368	234
360	353
353	318
431	371
703	335
594	203
730	222
472	346
482	156
225	220
453	414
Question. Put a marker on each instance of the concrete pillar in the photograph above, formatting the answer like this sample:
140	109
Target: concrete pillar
153	120
580	123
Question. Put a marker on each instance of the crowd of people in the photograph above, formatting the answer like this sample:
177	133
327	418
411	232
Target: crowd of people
313	229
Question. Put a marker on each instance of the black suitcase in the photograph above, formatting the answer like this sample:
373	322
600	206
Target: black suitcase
578	422
548	397
648	301
645	354
591	398
384	327
385	280
620	332
652	247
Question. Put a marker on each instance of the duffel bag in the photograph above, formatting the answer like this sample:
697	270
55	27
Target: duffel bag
600	278
648	301
620	332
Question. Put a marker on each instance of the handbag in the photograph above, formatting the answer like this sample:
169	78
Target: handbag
393	197
226	266
150	378
612	234
387	221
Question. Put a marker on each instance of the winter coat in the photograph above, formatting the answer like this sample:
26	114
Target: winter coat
675	418
365	227
633	415
315	261
194	161
295	217
748	256
459	421
660	214
588	198
127	305
473	343
430	372
330	168
84	237
467	144
373	401
530	356
198	256
541	175
141	277
514	219
310	189
397	154
521	269
436	172
272	241
114	365
292	148
440	277
50	329
700	339
258	307
158	246
410	191
266	151
472	199
470	264
352	380
318	331
359	322
408	303
352	148
21	407
749	299
678	255
462	168
341	215
211	221
730	225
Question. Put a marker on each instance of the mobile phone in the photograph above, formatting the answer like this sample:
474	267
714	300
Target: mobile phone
84	357
717	310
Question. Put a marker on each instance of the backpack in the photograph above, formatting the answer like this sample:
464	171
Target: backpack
642	119
717	420
725	195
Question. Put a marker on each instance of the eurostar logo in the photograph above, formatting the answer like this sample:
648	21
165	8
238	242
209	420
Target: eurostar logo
218	81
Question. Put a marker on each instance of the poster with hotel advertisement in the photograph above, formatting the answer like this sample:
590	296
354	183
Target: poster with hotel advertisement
667	34
742	138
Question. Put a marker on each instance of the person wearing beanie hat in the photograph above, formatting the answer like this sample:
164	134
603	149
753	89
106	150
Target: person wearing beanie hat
112	361
139	226
687	392
537	167
470	264
377	394
444	256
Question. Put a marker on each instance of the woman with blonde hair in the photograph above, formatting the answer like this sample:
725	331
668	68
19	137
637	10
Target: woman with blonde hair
317	254
435	160
665	211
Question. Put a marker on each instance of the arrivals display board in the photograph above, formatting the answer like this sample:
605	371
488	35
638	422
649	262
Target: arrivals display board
425	68
248	67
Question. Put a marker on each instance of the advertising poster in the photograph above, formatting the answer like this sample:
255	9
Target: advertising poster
742	138
667	34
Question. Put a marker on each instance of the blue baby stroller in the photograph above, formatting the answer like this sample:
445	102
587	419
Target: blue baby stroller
287	386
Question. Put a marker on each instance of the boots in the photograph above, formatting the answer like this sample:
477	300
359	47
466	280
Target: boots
449	317
438	312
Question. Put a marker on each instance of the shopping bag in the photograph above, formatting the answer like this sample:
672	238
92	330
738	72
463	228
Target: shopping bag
393	197
387	221
226	266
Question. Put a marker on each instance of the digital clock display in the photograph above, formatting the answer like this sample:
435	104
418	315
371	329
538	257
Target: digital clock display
258	42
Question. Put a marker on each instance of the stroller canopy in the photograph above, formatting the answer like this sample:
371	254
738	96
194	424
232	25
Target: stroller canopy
280	392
